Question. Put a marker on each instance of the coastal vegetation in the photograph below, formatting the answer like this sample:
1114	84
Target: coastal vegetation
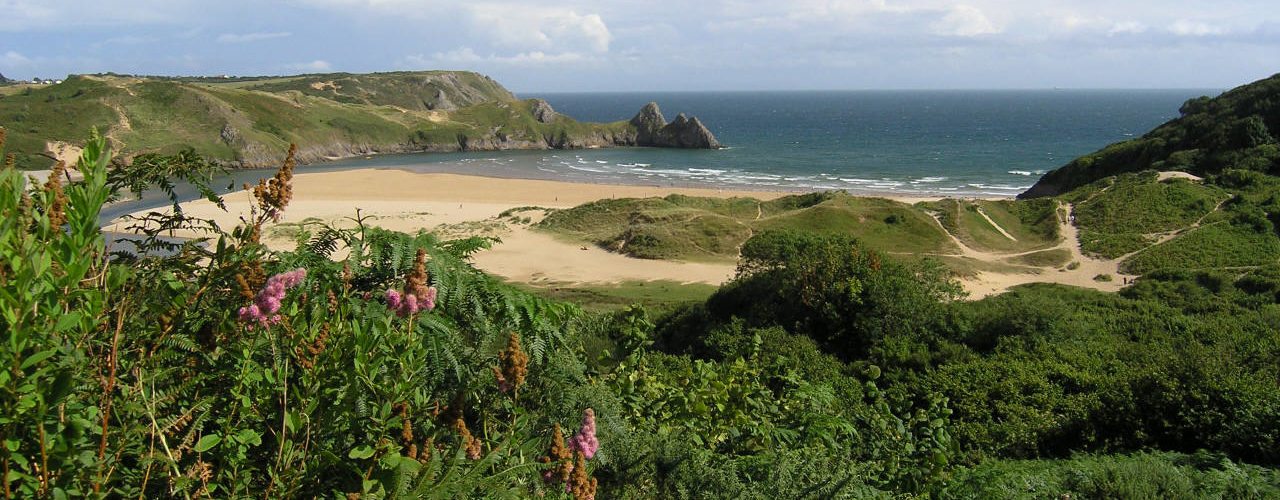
841	361
247	122
1236	130
371	364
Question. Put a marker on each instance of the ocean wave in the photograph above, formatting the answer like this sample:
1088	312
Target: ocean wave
1021	172
1000	187
928	180
585	169
667	171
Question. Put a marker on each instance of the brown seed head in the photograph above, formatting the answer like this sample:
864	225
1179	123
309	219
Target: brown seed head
514	363
57	209
468	442
416	282
582	485
273	195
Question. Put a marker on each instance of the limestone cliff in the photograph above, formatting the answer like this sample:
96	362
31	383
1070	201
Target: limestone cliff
652	129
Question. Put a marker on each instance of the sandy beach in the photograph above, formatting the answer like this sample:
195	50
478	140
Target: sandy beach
459	205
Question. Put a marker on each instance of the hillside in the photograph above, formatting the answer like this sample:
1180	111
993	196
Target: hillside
1200	192
247	122
1237	129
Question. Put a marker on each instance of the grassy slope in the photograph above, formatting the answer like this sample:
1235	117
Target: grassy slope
419	91
1226	222
1033	224
690	228
1238	129
1130	213
151	115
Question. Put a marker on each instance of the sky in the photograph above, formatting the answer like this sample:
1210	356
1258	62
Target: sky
663	45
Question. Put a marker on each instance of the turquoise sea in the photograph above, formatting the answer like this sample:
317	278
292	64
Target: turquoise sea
954	143
989	143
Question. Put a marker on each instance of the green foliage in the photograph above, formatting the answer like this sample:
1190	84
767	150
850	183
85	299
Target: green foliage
1119	219
825	369
1218	245
691	228
849	299
1140	475
52	324
1054	370
1234	130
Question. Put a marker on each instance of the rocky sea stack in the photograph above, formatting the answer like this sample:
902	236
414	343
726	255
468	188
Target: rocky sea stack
652	129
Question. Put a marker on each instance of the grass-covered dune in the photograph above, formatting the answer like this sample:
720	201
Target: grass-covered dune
692	228
248	122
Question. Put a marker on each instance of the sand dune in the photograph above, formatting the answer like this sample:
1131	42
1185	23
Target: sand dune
460	205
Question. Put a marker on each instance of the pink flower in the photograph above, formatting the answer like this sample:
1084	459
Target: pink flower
410	305
407	304
585	440
429	302
267	302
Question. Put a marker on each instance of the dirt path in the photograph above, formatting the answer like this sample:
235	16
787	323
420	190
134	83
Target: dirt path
1085	269
984	215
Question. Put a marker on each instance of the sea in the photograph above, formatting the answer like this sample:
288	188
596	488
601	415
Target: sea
961	143
951	143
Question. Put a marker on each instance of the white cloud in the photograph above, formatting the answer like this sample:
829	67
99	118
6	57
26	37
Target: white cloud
316	66
965	20
1127	28
11	58
1184	27
250	37
530	29
467	56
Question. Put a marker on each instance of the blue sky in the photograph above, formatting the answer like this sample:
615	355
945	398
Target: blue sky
538	46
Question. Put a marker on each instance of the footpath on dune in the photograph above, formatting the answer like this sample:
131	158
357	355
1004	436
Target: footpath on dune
460	205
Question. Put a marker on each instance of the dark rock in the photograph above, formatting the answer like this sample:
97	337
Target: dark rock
543	112
4	80
653	130
648	122
229	134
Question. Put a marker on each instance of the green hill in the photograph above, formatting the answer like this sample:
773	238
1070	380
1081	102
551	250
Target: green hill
1237	129
710	229
249	122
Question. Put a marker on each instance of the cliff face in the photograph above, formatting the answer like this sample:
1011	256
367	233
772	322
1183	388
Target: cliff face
652	129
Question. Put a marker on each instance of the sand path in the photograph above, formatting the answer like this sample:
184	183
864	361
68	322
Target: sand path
986	283
459	205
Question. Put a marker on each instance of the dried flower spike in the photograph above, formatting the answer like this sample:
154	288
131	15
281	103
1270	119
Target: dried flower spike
57	209
469	442
273	195
514	365
582	485
560	456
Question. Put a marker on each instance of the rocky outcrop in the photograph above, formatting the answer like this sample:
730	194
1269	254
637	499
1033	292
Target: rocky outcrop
542	111
4	80
653	130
